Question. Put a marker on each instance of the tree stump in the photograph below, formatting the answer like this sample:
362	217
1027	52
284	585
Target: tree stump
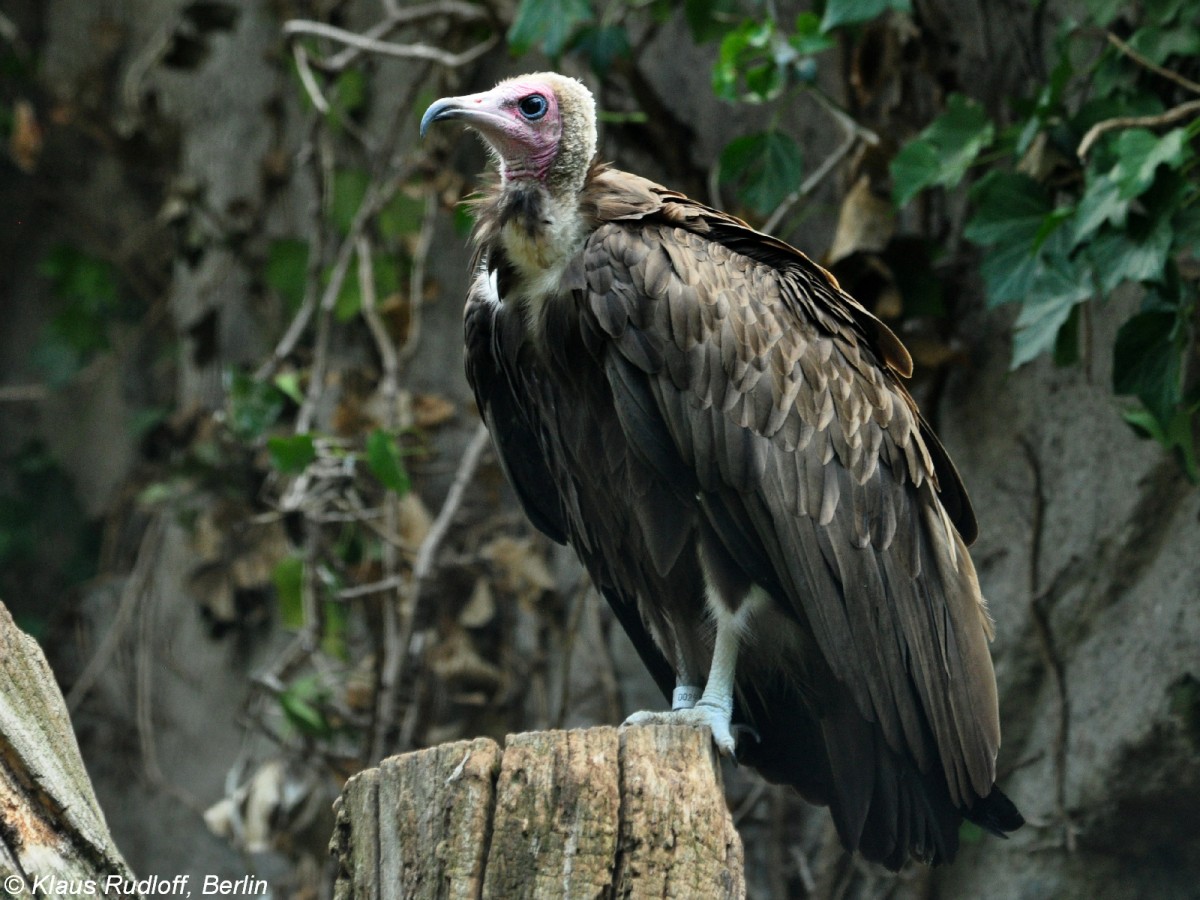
53	836
602	812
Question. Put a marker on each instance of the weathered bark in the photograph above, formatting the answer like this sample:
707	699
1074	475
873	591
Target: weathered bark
51	827
635	812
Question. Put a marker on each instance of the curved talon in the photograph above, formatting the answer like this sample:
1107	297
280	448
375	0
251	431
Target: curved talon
749	730
738	730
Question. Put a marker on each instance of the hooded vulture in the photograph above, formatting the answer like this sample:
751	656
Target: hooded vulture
722	435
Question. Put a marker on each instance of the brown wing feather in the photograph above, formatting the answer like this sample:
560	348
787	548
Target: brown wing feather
781	393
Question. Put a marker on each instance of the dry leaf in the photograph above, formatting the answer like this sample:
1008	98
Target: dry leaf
259	555
359	687
520	567
866	222
456	662
25	142
210	585
480	608
931	352
432	410
279	799
413	520
1041	159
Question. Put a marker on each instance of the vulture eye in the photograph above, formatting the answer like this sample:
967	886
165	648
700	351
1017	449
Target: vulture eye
533	107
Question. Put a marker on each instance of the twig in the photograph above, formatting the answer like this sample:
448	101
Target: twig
809	183
749	802
1182	111
388	385
312	280
854	132
1185	83
9	30
396	659
309	80
134	589
416	281
387	48
1045	634
375	587
399	16
23	393
804	871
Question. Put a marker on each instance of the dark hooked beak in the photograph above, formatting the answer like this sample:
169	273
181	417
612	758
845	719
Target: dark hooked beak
481	111
440	110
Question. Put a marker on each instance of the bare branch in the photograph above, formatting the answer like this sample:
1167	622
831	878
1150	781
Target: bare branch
1185	83
387	48
309	80
400	16
854	133
23	393
132	593
809	183
416	282
1182	111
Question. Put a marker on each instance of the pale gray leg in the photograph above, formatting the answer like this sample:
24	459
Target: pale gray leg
714	709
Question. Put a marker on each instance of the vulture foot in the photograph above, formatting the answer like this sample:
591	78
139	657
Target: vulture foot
702	715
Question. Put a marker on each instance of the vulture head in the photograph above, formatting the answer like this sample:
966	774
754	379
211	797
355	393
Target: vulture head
541	128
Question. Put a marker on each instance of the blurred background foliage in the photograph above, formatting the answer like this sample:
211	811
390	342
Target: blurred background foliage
304	484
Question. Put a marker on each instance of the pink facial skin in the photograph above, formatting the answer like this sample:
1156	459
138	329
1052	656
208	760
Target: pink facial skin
526	147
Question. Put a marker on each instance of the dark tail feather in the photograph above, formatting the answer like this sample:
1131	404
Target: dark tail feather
881	804
996	814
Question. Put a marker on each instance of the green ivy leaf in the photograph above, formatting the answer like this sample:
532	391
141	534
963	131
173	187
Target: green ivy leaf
704	18
349	189
1158	43
1140	152
288	578
289	384
740	49
1009	209
1012	215
1101	203
603	45
1058	284
942	153
767	166
385	462
1174	434
401	216
253	406
333	640
1147	363
301	704
291	454
851	12
286	271
552	22
1104	11
1123	256
350	90
349	300
808	38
